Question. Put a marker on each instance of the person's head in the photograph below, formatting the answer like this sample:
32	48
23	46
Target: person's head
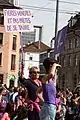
76	94
58	92
24	93
48	62
11	90
34	73
15	89
64	94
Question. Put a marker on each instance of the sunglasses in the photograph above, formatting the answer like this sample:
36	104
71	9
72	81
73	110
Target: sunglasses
35	72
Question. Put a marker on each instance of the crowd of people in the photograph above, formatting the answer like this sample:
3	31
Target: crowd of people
39	100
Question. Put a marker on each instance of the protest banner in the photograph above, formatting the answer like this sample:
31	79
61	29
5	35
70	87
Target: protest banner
18	20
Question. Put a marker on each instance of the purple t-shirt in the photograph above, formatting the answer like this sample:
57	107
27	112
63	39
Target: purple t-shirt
49	93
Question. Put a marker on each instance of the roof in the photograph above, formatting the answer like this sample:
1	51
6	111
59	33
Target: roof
34	47
6	4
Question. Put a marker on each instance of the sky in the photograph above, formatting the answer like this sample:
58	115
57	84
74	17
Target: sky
47	18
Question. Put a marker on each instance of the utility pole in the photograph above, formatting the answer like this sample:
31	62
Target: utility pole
56	30
56	22
56	19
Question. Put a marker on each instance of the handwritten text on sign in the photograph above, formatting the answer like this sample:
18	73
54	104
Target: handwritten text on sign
18	20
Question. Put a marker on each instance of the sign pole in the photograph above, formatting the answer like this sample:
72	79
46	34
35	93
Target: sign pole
22	54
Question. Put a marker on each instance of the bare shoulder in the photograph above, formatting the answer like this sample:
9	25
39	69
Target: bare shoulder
45	78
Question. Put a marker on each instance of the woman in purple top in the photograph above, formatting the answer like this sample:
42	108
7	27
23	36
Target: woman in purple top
48	110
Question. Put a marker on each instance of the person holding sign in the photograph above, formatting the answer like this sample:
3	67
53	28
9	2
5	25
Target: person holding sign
32	84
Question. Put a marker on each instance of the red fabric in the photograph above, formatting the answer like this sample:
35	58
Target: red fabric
5	117
34	105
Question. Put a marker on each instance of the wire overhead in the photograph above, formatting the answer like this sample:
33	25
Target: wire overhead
75	3
47	9
43	8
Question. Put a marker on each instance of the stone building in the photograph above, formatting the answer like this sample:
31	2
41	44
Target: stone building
69	75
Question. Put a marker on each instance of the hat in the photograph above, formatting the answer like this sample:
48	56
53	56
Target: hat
49	61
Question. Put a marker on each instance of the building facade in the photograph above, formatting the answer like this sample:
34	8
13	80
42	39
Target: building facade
69	74
30	37
14	2
9	51
32	56
9	57
30	59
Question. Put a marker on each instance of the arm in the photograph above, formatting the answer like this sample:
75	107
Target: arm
51	73
64	101
39	94
58	109
53	69
23	81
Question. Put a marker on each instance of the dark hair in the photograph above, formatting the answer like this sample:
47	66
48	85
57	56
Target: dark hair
15	89
9	109
47	62
76	93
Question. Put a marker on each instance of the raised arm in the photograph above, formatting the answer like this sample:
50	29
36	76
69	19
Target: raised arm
51	72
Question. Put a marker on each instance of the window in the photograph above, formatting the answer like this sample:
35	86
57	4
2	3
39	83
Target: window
58	59
75	60
30	58
14	42
13	60
70	23
76	43
74	20
79	67
1	78
11	1
0	58
75	80
63	81
42	69
1	38
69	61
70	44
1	19
64	61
